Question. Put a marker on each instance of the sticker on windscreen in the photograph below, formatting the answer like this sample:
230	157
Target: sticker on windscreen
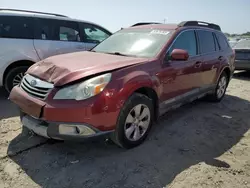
159	32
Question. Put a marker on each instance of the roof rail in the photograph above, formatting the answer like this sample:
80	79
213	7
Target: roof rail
29	11
200	24
144	23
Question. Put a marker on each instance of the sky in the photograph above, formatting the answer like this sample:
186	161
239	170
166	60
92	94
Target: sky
114	14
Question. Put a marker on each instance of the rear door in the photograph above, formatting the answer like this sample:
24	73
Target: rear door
53	37
92	34
210	57
225	51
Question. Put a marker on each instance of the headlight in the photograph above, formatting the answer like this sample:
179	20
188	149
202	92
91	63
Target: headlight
85	89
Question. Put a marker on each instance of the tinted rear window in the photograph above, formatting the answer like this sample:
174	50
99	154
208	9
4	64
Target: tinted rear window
60	30
45	29
16	27
222	41
206	41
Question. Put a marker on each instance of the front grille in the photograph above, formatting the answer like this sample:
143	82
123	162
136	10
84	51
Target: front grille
39	90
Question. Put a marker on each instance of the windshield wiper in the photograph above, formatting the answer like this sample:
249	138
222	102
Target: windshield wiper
117	53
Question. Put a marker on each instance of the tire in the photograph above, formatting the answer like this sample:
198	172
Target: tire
14	74
142	126
218	96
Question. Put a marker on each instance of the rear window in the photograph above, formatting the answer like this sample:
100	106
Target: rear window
222	41
16	27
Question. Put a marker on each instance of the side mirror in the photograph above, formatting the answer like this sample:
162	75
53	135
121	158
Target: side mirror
179	55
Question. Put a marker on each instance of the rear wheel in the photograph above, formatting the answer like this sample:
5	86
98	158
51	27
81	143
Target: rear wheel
221	88
14	77
134	121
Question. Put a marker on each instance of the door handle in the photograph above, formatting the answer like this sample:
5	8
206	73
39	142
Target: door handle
220	58
197	64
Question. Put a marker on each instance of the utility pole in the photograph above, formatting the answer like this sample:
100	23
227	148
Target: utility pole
164	20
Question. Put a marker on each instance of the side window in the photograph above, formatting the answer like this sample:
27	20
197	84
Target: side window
185	41
16	27
222	41
206	40
45	29
217	47
69	31
93	34
50	29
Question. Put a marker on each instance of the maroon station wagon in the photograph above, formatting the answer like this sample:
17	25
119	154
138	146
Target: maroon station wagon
121	86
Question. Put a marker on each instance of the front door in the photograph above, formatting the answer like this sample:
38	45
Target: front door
180	80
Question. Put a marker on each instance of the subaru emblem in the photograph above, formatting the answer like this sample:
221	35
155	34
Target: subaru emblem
33	82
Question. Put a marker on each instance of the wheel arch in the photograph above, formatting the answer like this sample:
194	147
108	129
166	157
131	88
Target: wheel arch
150	93
227	71
16	64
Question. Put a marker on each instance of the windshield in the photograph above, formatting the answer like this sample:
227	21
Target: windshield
243	44
135	42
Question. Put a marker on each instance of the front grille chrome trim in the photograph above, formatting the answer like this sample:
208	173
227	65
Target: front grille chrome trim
36	87
40	83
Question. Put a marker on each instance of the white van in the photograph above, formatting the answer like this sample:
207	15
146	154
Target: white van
28	36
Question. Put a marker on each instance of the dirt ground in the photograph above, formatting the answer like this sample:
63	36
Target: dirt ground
199	145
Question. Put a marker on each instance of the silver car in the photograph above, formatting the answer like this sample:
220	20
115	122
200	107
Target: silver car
242	55
28	36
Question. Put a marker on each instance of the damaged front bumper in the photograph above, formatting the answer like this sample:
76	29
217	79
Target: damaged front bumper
62	131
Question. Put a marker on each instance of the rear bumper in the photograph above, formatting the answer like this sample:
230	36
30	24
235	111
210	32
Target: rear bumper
242	64
62	131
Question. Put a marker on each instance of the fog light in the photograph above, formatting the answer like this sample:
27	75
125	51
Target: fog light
80	130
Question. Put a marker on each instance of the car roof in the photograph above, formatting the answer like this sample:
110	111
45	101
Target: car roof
169	27
47	16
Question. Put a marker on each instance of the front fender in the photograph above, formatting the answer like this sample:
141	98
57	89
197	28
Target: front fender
134	81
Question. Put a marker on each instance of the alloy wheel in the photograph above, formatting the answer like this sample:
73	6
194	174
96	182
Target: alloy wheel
137	122
17	79
222	85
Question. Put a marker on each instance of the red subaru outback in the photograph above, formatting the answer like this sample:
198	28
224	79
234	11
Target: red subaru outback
123	84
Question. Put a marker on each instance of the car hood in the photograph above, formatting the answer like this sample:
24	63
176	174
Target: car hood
63	69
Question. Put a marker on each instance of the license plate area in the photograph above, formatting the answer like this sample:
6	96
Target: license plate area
242	56
26	103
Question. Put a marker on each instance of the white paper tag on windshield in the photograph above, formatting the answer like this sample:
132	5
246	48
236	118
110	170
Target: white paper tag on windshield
159	32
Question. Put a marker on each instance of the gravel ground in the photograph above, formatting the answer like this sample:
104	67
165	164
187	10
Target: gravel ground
199	145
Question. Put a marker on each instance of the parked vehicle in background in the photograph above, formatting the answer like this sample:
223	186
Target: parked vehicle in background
123	84
28	36
232	43
242	52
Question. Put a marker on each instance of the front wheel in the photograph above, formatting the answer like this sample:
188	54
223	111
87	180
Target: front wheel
220	89
14	77
134	121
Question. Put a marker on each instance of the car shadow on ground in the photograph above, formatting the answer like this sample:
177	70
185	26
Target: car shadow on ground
197	132
7	108
243	75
